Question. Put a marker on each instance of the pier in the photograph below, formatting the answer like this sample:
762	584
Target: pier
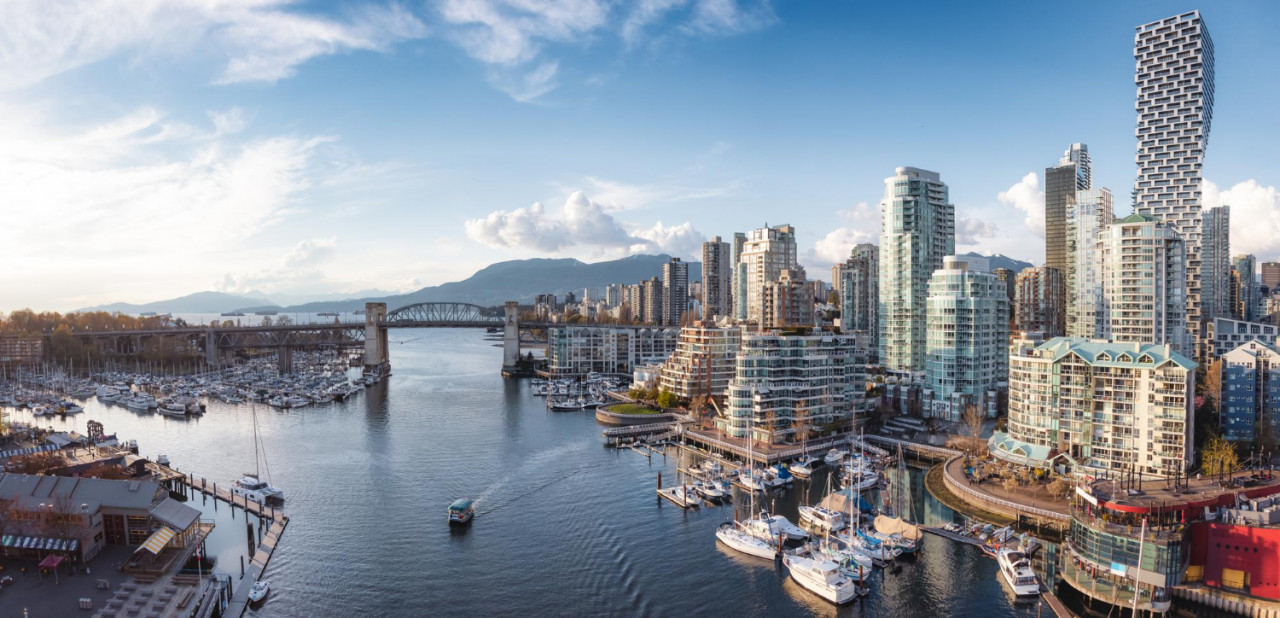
261	552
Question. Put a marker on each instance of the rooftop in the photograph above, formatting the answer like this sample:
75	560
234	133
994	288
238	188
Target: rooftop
34	488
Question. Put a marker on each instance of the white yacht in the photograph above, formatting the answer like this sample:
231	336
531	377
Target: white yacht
1016	571
766	526
108	394
731	534
805	466
259	591
821	577
834	456
822	518
249	486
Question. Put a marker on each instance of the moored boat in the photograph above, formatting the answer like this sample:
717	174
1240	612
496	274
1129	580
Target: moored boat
1016	571
821	577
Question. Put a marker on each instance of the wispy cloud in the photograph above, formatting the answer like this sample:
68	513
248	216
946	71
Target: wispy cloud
256	40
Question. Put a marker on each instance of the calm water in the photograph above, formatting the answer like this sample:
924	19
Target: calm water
565	526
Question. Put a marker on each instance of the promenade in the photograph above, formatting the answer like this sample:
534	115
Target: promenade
1032	500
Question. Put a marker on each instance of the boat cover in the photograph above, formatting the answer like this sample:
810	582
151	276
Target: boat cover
890	525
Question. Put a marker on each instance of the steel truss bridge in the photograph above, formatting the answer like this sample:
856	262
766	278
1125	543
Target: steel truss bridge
219	343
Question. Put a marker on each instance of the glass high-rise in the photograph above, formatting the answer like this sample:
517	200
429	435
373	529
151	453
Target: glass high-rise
1144	282
967	346
1072	173
1174	79
1086	310
917	229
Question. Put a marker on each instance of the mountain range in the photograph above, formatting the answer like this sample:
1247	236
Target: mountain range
518	280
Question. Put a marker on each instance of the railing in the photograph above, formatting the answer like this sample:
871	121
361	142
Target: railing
955	485
614	432
928	448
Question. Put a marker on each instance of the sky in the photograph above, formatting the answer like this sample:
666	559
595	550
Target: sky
150	149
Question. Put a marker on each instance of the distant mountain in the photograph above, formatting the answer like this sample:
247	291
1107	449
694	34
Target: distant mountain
518	280
277	298
200	302
1000	260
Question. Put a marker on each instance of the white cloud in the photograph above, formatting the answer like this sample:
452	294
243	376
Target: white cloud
1025	195
526	87
512	31
580	223
311	252
973	231
1255	216
259	40
616	195
706	17
298	269
862	224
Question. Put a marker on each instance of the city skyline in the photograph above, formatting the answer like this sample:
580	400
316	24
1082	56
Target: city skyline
360	149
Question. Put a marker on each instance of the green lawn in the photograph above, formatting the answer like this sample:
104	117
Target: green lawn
632	408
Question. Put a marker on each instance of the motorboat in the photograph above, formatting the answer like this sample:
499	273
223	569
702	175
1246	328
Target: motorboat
710	491
563	405
834	456
253	488
822	518
870	546
162	460
805	466
259	591
848	556
173	408
751	481
862	483
821	577
732	535
462	511
766	526
1016	571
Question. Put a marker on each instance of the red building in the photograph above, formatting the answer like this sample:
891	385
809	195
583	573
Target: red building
1241	558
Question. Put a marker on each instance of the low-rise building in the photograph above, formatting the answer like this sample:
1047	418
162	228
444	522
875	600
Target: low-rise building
21	350
1250	390
704	361
574	350
1227	334
1100	406
787	383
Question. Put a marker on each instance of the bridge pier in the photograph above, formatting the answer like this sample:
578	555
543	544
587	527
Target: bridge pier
211	349
511	337
284	360
376	356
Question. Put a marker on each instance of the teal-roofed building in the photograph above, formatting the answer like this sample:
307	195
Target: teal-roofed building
1100	405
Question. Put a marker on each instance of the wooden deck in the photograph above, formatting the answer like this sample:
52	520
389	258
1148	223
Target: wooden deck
252	573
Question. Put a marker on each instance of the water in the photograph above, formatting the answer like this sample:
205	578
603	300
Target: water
565	525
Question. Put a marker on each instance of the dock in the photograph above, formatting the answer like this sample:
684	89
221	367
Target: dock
947	534
240	595
670	494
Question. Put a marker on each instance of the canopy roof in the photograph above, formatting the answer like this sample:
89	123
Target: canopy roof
158	539
51	562
460	504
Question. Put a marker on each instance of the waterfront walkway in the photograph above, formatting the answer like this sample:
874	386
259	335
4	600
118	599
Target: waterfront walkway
1034	501
252	573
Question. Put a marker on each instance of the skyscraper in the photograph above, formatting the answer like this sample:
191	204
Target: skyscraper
1144	281
859	278
1244	288
1215	263
1174	79
1086	312
917	229
1271	275
1038	302
968	339
738	277
1072	173
675	291
653	300
717	271
766	252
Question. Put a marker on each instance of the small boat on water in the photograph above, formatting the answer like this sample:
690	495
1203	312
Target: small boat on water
821	518
162	460
732	535
821	577
805	466
834	456
1016	571
259	591
462	511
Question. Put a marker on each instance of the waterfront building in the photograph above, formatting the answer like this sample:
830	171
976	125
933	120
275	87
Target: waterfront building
786	383
1038	301
1174	79
19	350
1100	406
786	302
675	291
859	292
917	229
1226	334
653	301
717	275
1271	275
1250	390
1143	281
81	516
1089	216
1062	181
1215	263
766	252
968	340
1244	297
704	361
577	350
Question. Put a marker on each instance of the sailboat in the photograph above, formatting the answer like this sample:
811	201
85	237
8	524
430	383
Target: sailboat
898	532
251	486
735	535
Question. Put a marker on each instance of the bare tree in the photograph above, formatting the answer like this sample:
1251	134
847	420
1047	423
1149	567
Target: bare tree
973	421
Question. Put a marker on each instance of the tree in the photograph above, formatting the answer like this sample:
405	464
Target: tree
283	320
1059	488
1219	456
106	471
1213	382
973	421
266	320
35	463
667	399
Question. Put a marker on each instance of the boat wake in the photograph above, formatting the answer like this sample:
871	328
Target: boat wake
492	499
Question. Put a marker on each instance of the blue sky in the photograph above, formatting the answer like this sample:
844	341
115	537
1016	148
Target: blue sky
295	148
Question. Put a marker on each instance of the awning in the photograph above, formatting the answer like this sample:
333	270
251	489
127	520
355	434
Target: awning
51	562
158	539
